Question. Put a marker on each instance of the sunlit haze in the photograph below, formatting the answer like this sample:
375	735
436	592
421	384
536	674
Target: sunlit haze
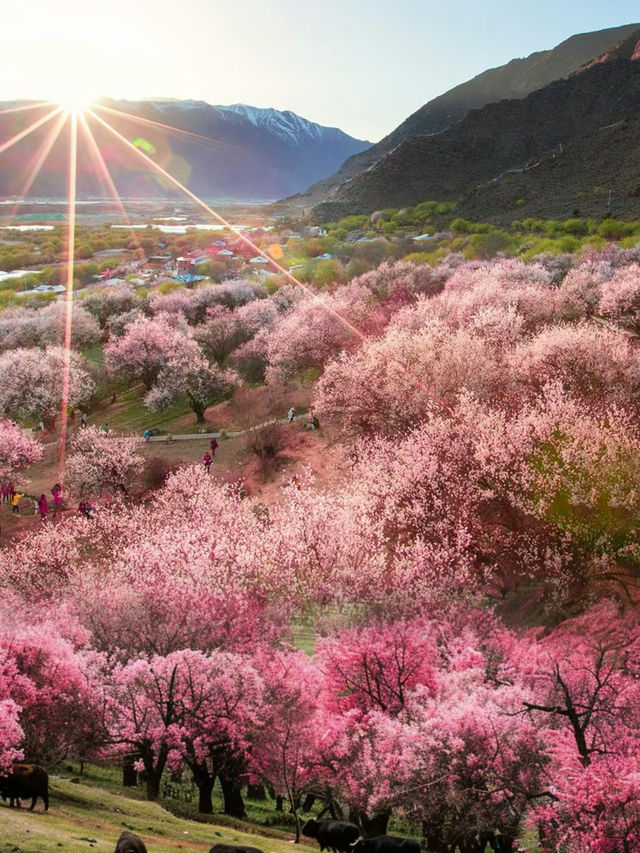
361	66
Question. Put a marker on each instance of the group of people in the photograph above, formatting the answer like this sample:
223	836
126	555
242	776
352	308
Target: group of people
313	422
208	456
12	497
41	504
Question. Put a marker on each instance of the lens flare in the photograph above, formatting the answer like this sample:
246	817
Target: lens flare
75	103
71	249
147	146
75	108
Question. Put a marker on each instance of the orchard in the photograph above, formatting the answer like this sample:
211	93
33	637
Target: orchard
469	571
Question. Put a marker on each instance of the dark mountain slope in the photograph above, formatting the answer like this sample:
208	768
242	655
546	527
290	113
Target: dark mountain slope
501	136
516	79
596	176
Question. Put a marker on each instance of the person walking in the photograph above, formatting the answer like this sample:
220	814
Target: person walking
291	414
15	502
43	506
105	428
56	491
214	446
207	461
83	419
6	497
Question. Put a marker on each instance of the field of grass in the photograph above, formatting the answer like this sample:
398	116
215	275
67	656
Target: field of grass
90	813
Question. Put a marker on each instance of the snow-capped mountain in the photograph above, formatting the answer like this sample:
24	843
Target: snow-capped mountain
289	126
235	152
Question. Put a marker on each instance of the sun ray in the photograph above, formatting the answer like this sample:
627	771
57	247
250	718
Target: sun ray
178	130
71	247
205	206
34	106
313	294
106	175
42	155
27	130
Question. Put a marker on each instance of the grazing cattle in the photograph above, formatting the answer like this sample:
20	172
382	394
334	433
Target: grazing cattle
336	835
129	842
25	781
232	848
386	844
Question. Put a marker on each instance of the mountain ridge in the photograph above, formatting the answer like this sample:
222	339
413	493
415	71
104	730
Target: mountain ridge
236	152
515	79
507	136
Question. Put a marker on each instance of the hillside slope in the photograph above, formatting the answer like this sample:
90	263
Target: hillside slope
593	177
85	816
509	135
516	79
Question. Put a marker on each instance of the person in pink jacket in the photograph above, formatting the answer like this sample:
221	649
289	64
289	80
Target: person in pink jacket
43	506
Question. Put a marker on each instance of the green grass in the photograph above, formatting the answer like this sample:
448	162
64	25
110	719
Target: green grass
94	354
304	638
130	414
91	811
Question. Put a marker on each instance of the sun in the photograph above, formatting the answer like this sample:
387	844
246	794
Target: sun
75	101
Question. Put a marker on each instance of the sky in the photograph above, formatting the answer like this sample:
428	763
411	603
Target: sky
361	66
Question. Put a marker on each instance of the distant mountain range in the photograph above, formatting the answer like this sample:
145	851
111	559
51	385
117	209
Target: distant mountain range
236	153
484	135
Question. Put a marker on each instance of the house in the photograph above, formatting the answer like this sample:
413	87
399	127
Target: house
107	274
187	264
263	274
259	259
422	237
325	256
241	247
315	231
187	277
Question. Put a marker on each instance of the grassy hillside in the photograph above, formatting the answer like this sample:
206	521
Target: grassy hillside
87	815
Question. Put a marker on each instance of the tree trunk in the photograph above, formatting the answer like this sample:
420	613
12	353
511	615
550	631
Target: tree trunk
199	410
153	784
309	800
376	824
205	789
432	835
153	772
129	775
232	795
256	792
504	842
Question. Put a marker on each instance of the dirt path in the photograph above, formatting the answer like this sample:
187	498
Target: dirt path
318	451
